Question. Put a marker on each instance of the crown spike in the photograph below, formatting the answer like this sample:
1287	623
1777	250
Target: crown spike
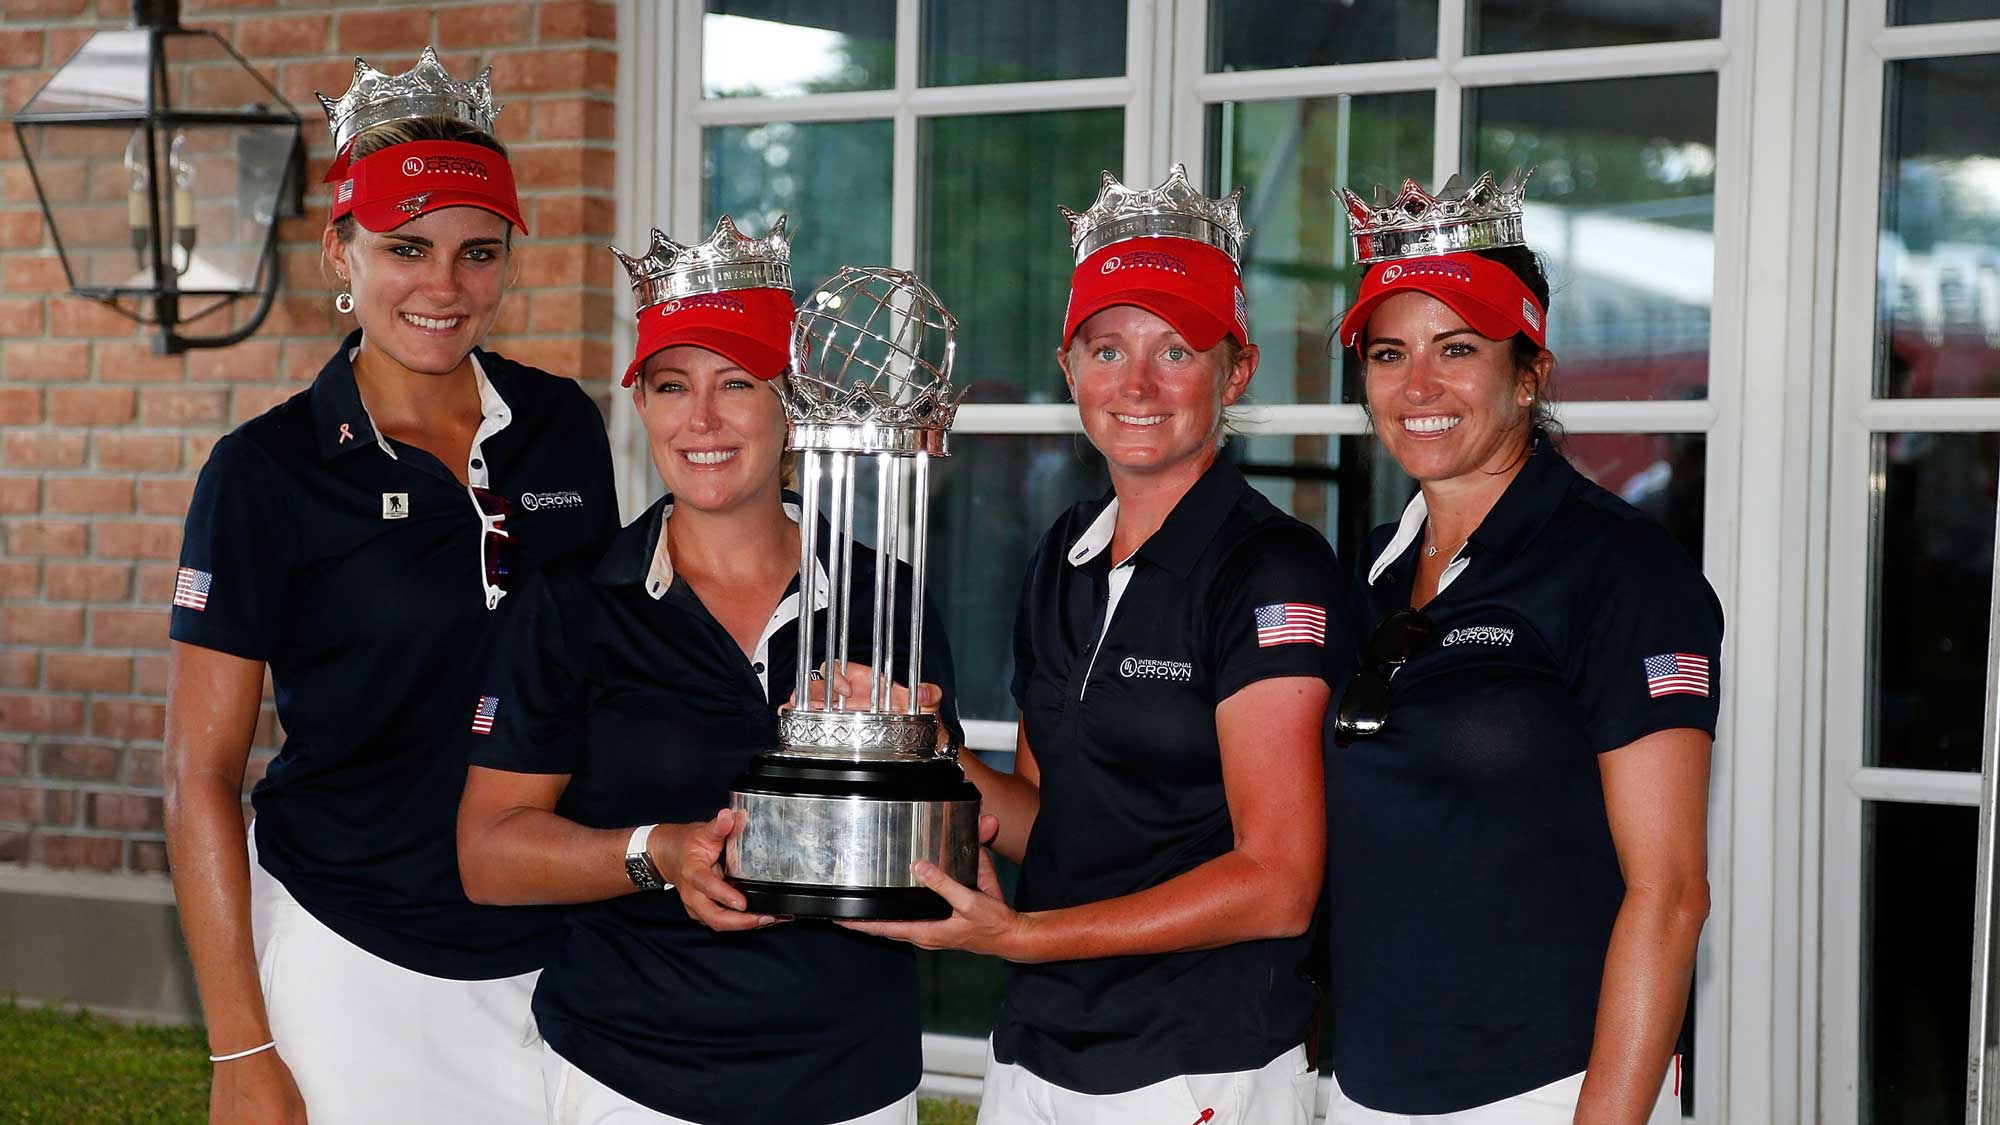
727	259
1415	223
375	97
1174	209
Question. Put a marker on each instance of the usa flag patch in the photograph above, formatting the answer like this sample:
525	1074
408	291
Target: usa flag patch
344	192
1676	673
482	715
1290	623
191	588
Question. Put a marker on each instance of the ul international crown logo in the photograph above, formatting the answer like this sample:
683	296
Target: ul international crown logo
413	166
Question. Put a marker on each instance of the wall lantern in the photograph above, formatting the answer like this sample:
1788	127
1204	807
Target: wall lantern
164	163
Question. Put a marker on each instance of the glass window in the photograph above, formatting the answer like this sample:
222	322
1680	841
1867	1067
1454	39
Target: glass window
1941	11
1938	270
1662	475
785	48
1932	571
1916	928
1622	211
831	177
1287	155
992	244
1495	26
1022	41
1268	34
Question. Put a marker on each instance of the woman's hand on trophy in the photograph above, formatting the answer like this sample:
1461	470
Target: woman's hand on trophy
690	857
980	922
855	685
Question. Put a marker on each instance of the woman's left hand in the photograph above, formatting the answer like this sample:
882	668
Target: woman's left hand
980	922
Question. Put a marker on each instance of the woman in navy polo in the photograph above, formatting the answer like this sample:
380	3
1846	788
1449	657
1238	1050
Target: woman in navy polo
355	541
626	700
1174	651
1518	780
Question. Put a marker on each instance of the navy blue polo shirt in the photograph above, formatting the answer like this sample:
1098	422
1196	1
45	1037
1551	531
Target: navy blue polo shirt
1472	880
1121	716
349	564
624	680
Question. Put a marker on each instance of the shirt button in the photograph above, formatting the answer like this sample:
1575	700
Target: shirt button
477	463
758	667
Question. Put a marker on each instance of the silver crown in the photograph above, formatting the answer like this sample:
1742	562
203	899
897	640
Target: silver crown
729	259
1416	224
425	90
1172	210
872	353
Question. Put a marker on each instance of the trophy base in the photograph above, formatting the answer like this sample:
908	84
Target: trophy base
826	839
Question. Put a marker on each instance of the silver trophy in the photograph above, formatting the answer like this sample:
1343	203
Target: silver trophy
859	789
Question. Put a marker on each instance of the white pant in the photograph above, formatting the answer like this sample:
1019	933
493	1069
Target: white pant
1280	1093
1553	1104
575	1098
373	1043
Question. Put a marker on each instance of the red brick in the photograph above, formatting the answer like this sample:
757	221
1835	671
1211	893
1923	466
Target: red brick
252	361
165	497
572	119
571	311
150	673
88	582
161	406
283	35
74	761
20	48
73	316
577	19
62	42
570	216
545	266
41	625
42	449
42	273
20	316
377	32
22	230
97	495
144	453
40	713
137	362
297	81
36	805
142	767
84	671
196	447
92	853
128	628
485	25
156	583
136	539
13	759
248	402
90	406
290	316
147	857
20	495
128	720
42	361
20	668
556	70
124	812
13	846
47	537
19	578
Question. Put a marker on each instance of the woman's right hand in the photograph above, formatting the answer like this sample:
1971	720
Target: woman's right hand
690	856
255	1090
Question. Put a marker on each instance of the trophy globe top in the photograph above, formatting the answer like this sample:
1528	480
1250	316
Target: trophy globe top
872	352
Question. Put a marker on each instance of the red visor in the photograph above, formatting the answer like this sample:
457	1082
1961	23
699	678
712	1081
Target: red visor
751	328
391	186
1491	298
1188	284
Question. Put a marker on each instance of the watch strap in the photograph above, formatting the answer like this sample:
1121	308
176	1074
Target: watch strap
639	865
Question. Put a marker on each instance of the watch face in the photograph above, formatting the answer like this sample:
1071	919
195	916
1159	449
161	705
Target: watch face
640	870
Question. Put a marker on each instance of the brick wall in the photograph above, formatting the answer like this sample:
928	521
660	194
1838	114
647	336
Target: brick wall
100	439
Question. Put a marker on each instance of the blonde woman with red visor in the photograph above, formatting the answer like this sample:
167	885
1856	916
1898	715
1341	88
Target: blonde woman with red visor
1518	778
1176	644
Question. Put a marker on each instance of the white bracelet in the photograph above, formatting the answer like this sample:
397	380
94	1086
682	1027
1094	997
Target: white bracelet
243	1054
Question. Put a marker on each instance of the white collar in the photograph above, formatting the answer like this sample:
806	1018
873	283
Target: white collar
1407	532
493	412
660	574
1096	537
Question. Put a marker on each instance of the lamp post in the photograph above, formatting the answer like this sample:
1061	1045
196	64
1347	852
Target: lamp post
163	163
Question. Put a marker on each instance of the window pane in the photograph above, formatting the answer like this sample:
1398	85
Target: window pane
1021	41
1942	11
1494	26
1932	573
1938	274
1622	211
782	48
1285	155
1662	475
1916	960
831	177
993	245
1267	34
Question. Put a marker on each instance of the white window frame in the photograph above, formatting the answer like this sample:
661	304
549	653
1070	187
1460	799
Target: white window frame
1755	1043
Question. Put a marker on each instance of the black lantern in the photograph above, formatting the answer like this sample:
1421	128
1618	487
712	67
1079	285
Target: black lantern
164	163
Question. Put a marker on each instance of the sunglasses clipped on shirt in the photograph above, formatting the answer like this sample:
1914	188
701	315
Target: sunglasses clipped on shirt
496	545
1364	706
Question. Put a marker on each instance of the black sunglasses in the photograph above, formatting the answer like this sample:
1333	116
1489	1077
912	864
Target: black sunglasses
496	544
1364	706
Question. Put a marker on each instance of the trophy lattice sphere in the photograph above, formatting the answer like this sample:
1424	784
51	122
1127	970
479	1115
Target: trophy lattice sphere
873	344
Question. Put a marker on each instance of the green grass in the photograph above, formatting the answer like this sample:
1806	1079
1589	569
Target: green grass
62	1067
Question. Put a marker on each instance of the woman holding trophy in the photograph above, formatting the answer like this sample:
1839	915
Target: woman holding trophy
1175	648
354	541
622	705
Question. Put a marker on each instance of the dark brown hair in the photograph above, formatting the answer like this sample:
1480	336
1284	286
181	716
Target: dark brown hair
1527	265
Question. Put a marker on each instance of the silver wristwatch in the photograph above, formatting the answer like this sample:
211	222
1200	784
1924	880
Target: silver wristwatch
639	866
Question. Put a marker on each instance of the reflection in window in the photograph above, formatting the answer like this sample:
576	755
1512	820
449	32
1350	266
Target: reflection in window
1021	41
1916	919
1269	34
1932	573
1494	26
1662	475
1938	261
1622	211
831	177
1941	11
786	48
1296	268
992	244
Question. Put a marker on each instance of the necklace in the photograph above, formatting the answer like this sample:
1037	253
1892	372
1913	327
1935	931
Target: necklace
1431	548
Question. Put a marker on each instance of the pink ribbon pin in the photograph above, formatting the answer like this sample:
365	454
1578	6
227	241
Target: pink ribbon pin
346	434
